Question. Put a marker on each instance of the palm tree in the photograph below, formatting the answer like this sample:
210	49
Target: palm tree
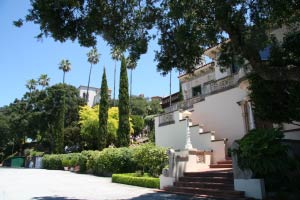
116	54
131	64
31	85
65	66
43	80
93	58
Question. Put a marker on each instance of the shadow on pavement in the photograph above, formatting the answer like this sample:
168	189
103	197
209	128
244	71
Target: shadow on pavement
165	196
54	198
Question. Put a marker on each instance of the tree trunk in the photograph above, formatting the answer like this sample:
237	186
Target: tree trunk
88	87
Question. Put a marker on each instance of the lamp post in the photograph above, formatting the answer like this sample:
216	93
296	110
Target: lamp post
188	144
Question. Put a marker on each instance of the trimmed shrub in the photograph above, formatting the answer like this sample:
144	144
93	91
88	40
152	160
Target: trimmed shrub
150	158
114	160
53	162
88	165
133	179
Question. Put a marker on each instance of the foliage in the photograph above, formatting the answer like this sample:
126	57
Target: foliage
132	179
65	66
150	124
123	133
114	160
103	114
93	58
58	161
87	161
138	124
154	107
138	105
150	158
5	136
261	151
89	123
52	112
186	28
43	80
276	101
53	162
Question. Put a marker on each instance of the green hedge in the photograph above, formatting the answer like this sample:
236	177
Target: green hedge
150	158
145	157
132	179
114	160
59	161
53	161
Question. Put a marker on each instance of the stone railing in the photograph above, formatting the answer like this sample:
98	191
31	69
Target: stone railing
210	87
189	102
167	118
220	85
184	104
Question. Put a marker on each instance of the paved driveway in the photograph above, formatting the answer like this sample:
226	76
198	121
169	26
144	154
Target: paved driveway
40	184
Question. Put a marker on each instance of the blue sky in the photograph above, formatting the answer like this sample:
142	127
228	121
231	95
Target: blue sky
22	57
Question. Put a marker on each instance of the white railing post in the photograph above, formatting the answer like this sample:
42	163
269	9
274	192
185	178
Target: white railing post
188	144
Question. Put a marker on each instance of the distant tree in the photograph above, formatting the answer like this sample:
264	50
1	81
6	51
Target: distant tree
93	58
89	123
131	64
43	80
103	113
116	54
31	85
138	124
5	135
54	112
65	66
154	107
124	126
139	106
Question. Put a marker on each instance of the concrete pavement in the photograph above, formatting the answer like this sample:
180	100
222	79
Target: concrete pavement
40	184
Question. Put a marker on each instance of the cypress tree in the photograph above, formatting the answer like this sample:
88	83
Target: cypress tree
103	113
123	133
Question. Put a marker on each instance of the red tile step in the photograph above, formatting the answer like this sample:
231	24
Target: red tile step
222	164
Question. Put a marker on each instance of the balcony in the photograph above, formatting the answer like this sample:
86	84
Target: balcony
166	119
220	85
211	87
186	104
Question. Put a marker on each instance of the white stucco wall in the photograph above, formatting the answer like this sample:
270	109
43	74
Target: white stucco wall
221	113
92	94
172	135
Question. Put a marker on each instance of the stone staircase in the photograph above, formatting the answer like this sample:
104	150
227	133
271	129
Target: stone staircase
222	164
217	183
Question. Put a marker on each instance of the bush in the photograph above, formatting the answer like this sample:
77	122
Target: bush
132	179
150	158
88	165
261	151
114	160
53	162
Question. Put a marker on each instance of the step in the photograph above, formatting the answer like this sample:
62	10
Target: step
225	173
223	186
207	179
201	196
220	166
225	162
207	191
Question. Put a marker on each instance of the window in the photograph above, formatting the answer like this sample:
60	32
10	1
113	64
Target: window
196	91
84	95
